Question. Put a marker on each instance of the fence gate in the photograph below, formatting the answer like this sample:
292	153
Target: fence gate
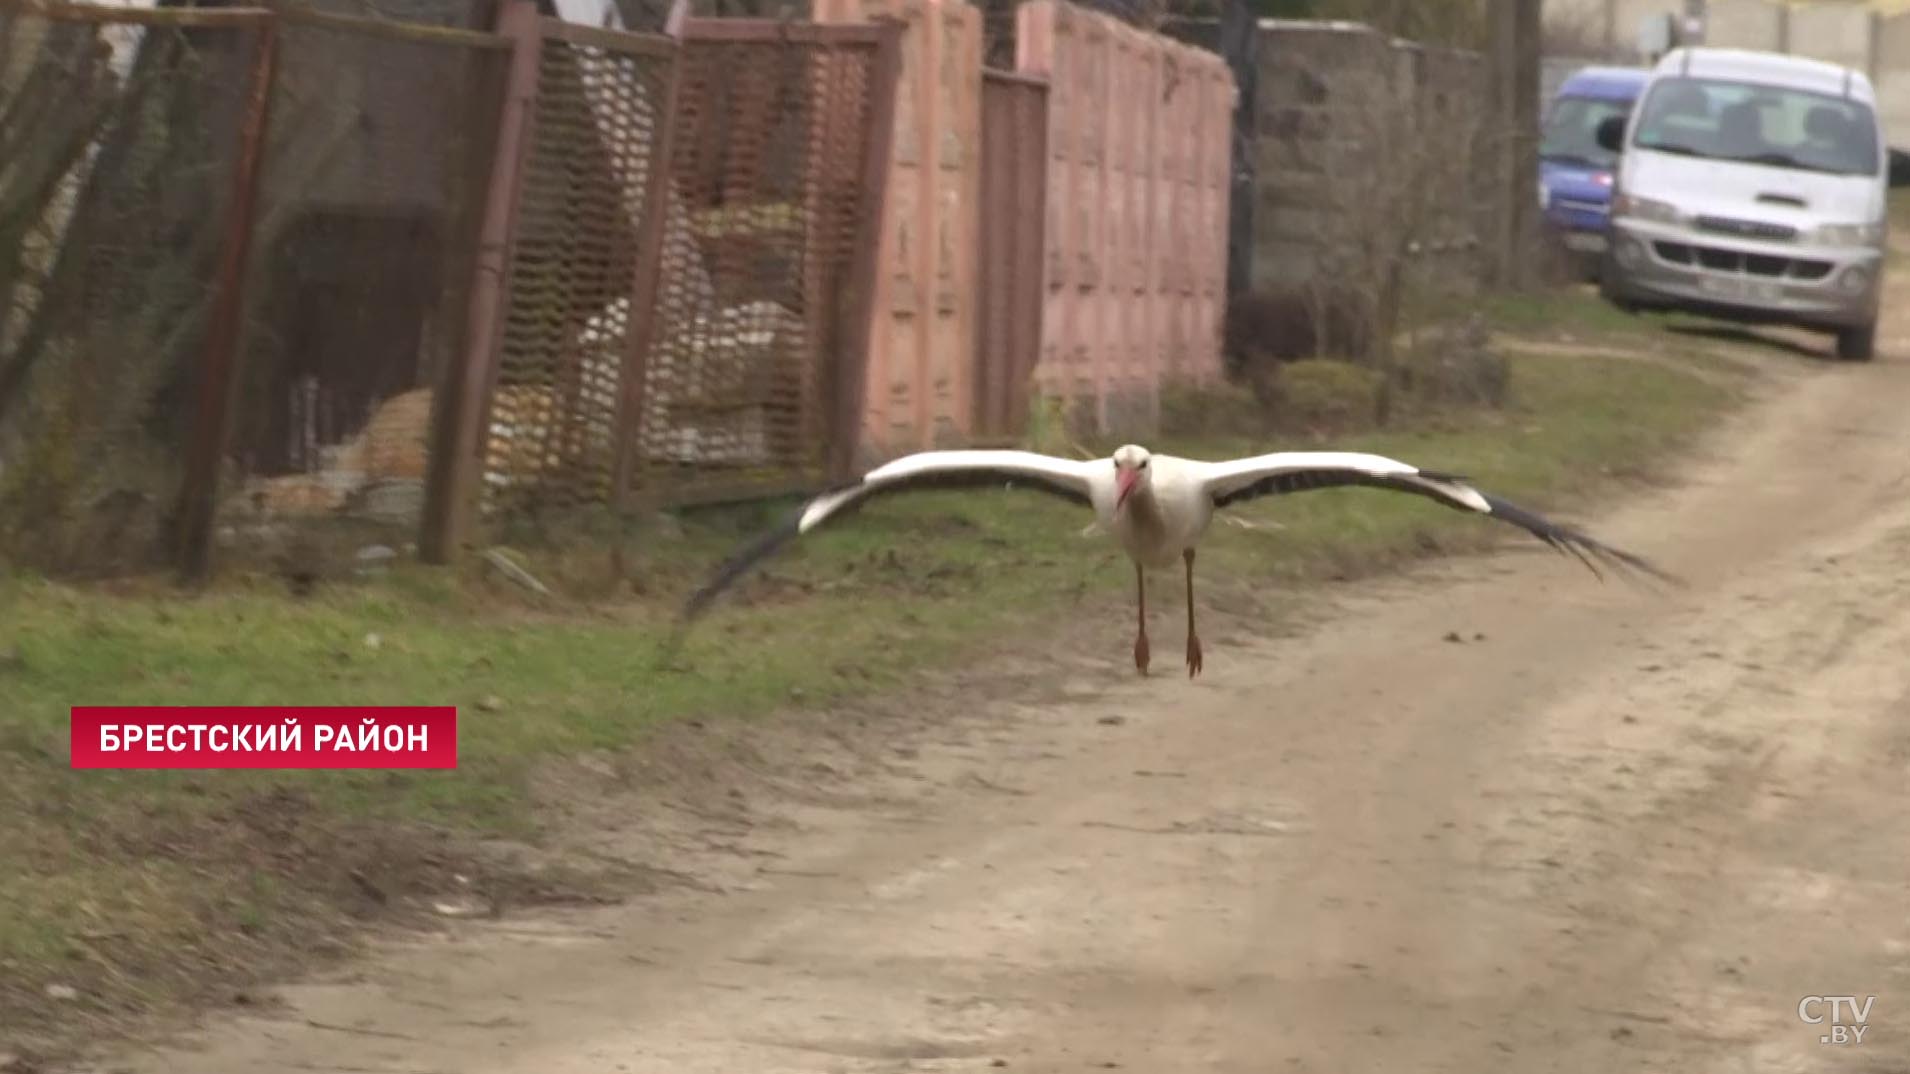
778	166
1013	192
362	247
558	323
683	239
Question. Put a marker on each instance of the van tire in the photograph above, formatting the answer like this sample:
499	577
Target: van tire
1857	344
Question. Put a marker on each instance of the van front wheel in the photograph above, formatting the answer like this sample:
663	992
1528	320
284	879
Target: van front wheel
1857	344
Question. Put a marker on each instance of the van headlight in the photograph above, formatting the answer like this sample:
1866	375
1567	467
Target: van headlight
1657	212
1848	235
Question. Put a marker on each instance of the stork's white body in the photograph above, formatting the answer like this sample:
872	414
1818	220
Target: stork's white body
1160	522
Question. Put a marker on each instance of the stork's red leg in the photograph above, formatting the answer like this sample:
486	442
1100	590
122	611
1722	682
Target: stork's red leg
1193	639
1140	639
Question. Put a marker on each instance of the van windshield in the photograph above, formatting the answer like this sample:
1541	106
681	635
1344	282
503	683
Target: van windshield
1571	131
1770	125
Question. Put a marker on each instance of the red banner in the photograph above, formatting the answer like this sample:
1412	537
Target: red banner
265	736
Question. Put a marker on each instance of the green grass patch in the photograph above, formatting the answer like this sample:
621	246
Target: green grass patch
1580	313
1566	311
224	872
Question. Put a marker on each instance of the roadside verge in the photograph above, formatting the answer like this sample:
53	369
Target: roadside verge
144	894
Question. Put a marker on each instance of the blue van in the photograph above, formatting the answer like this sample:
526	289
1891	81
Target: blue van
1575	172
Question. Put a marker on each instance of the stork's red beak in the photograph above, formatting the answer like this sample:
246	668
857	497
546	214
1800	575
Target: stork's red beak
1124	482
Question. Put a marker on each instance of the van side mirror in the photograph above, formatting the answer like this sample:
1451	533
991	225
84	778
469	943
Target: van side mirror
1899	168
1611	134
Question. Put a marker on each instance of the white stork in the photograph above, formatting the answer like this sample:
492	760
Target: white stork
1156	506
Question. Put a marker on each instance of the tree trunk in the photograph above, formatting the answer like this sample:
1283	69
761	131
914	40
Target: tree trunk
1239	39
1514	62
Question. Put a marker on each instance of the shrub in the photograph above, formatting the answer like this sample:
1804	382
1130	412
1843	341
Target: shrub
1189	409
1047	429
1322	395
1455	363
1289	324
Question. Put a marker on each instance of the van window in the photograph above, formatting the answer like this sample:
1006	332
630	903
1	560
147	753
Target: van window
1571	131
1770	125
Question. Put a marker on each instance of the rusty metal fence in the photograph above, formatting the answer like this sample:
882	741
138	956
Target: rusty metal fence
597	122
288	286
123	164
762	300
362	248
685	234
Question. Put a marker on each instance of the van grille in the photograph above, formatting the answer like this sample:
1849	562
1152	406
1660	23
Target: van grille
1721	260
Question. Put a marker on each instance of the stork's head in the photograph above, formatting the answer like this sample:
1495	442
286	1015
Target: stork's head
1130	472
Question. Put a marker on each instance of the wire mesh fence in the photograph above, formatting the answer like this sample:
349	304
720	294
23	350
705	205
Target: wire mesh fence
598	125
362	246
298	284
779	155
120	148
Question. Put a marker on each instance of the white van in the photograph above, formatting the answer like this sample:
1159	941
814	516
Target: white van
1751	186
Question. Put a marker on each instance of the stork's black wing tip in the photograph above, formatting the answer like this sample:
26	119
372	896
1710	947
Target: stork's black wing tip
1582	545
1649	569
735	567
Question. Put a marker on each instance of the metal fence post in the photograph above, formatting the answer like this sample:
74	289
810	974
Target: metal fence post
457	441
641	328
219	374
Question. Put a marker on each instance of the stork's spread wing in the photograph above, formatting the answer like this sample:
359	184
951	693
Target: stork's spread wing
1302	471
1066	478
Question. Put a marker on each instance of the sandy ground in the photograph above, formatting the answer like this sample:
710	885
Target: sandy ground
1603	830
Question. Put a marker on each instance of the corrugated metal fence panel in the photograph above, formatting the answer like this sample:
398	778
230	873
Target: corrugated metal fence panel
920	372
958	220
1139	130
1009	284
1061	372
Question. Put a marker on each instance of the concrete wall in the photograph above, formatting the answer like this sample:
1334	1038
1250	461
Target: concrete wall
1856	35
1362	138
1316	82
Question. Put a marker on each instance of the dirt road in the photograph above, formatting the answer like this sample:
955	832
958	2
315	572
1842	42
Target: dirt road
1603	831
